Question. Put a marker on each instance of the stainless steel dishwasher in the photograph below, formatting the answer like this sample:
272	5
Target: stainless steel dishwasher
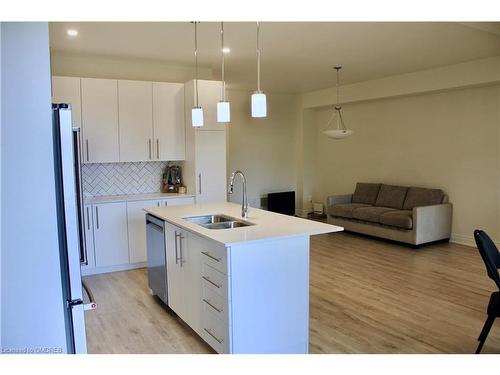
157	258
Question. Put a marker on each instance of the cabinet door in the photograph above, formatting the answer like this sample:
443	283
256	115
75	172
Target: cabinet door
67	90
89	237
175	282
110	234
135	103
191	251
168	121
136	218
100	120
211	166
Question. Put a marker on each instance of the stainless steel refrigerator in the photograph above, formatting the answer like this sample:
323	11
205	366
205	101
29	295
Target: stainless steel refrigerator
70	226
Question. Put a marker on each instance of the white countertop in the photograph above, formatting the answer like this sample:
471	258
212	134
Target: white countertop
133	197
268	225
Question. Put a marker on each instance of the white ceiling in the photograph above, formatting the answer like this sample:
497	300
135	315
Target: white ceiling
296	56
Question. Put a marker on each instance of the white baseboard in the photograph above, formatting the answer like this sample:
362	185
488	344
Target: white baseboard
121	267
467	240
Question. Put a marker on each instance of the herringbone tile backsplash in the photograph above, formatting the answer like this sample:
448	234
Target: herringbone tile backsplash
122	178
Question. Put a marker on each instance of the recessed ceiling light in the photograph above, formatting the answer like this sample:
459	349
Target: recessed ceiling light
226	50
72	32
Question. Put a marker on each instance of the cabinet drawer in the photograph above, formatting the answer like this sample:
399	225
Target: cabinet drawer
215	303
215	332
214	280
214	255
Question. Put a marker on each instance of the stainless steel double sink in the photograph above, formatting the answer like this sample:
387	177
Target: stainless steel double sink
217	221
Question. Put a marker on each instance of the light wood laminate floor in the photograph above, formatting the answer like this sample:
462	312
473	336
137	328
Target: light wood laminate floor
366	296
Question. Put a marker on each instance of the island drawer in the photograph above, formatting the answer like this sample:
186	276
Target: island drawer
214	255
215	332
214	280
215	303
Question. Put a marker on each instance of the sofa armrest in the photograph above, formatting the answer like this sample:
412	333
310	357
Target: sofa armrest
432	223
338	199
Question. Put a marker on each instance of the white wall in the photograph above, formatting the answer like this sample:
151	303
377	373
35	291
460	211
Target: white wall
74	65
264	149
31	305
448	140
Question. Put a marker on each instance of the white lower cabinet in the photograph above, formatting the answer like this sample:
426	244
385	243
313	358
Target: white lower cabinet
197	291
88	233
136	224
137	230
115	233
110	234
182	268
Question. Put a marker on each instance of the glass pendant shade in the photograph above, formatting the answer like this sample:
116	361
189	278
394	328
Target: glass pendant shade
223	112
197	117
259	104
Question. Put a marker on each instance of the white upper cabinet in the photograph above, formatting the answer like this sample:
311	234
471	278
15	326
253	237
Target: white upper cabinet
209	94
168	121
100	120
67	90
135	99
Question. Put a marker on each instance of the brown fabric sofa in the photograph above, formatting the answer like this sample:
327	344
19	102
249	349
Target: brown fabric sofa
412	215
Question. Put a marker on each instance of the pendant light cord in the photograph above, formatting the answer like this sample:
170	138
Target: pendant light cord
338	106
338	91
196	59
258	57
223	94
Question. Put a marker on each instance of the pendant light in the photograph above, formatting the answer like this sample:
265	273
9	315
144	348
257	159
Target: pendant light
197	111
340	131
223	107
259	105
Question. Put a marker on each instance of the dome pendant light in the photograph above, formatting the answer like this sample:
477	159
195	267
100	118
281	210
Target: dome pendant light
341	131
223	107
197	111
259	105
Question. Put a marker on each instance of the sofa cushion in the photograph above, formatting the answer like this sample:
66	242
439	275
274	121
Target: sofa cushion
344	209
417	197
401	218
370	213
391	196
365	193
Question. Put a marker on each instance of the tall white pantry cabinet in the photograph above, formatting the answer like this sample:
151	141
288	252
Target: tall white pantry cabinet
204	170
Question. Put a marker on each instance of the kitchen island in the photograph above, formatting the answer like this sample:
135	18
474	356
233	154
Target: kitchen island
244	289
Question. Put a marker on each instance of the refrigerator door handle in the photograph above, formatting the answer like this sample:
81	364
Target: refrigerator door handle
92	305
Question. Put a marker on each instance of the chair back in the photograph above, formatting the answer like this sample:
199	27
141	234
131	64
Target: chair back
490	255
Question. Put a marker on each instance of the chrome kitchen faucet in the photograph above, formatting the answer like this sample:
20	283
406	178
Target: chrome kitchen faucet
244	203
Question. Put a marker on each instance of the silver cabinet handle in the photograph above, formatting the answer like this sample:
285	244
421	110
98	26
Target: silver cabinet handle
209	331
87	147
206	253
181	260
88	219
97	216
211	282
158	203
149	146
212	306
199	183
158	148
176	250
